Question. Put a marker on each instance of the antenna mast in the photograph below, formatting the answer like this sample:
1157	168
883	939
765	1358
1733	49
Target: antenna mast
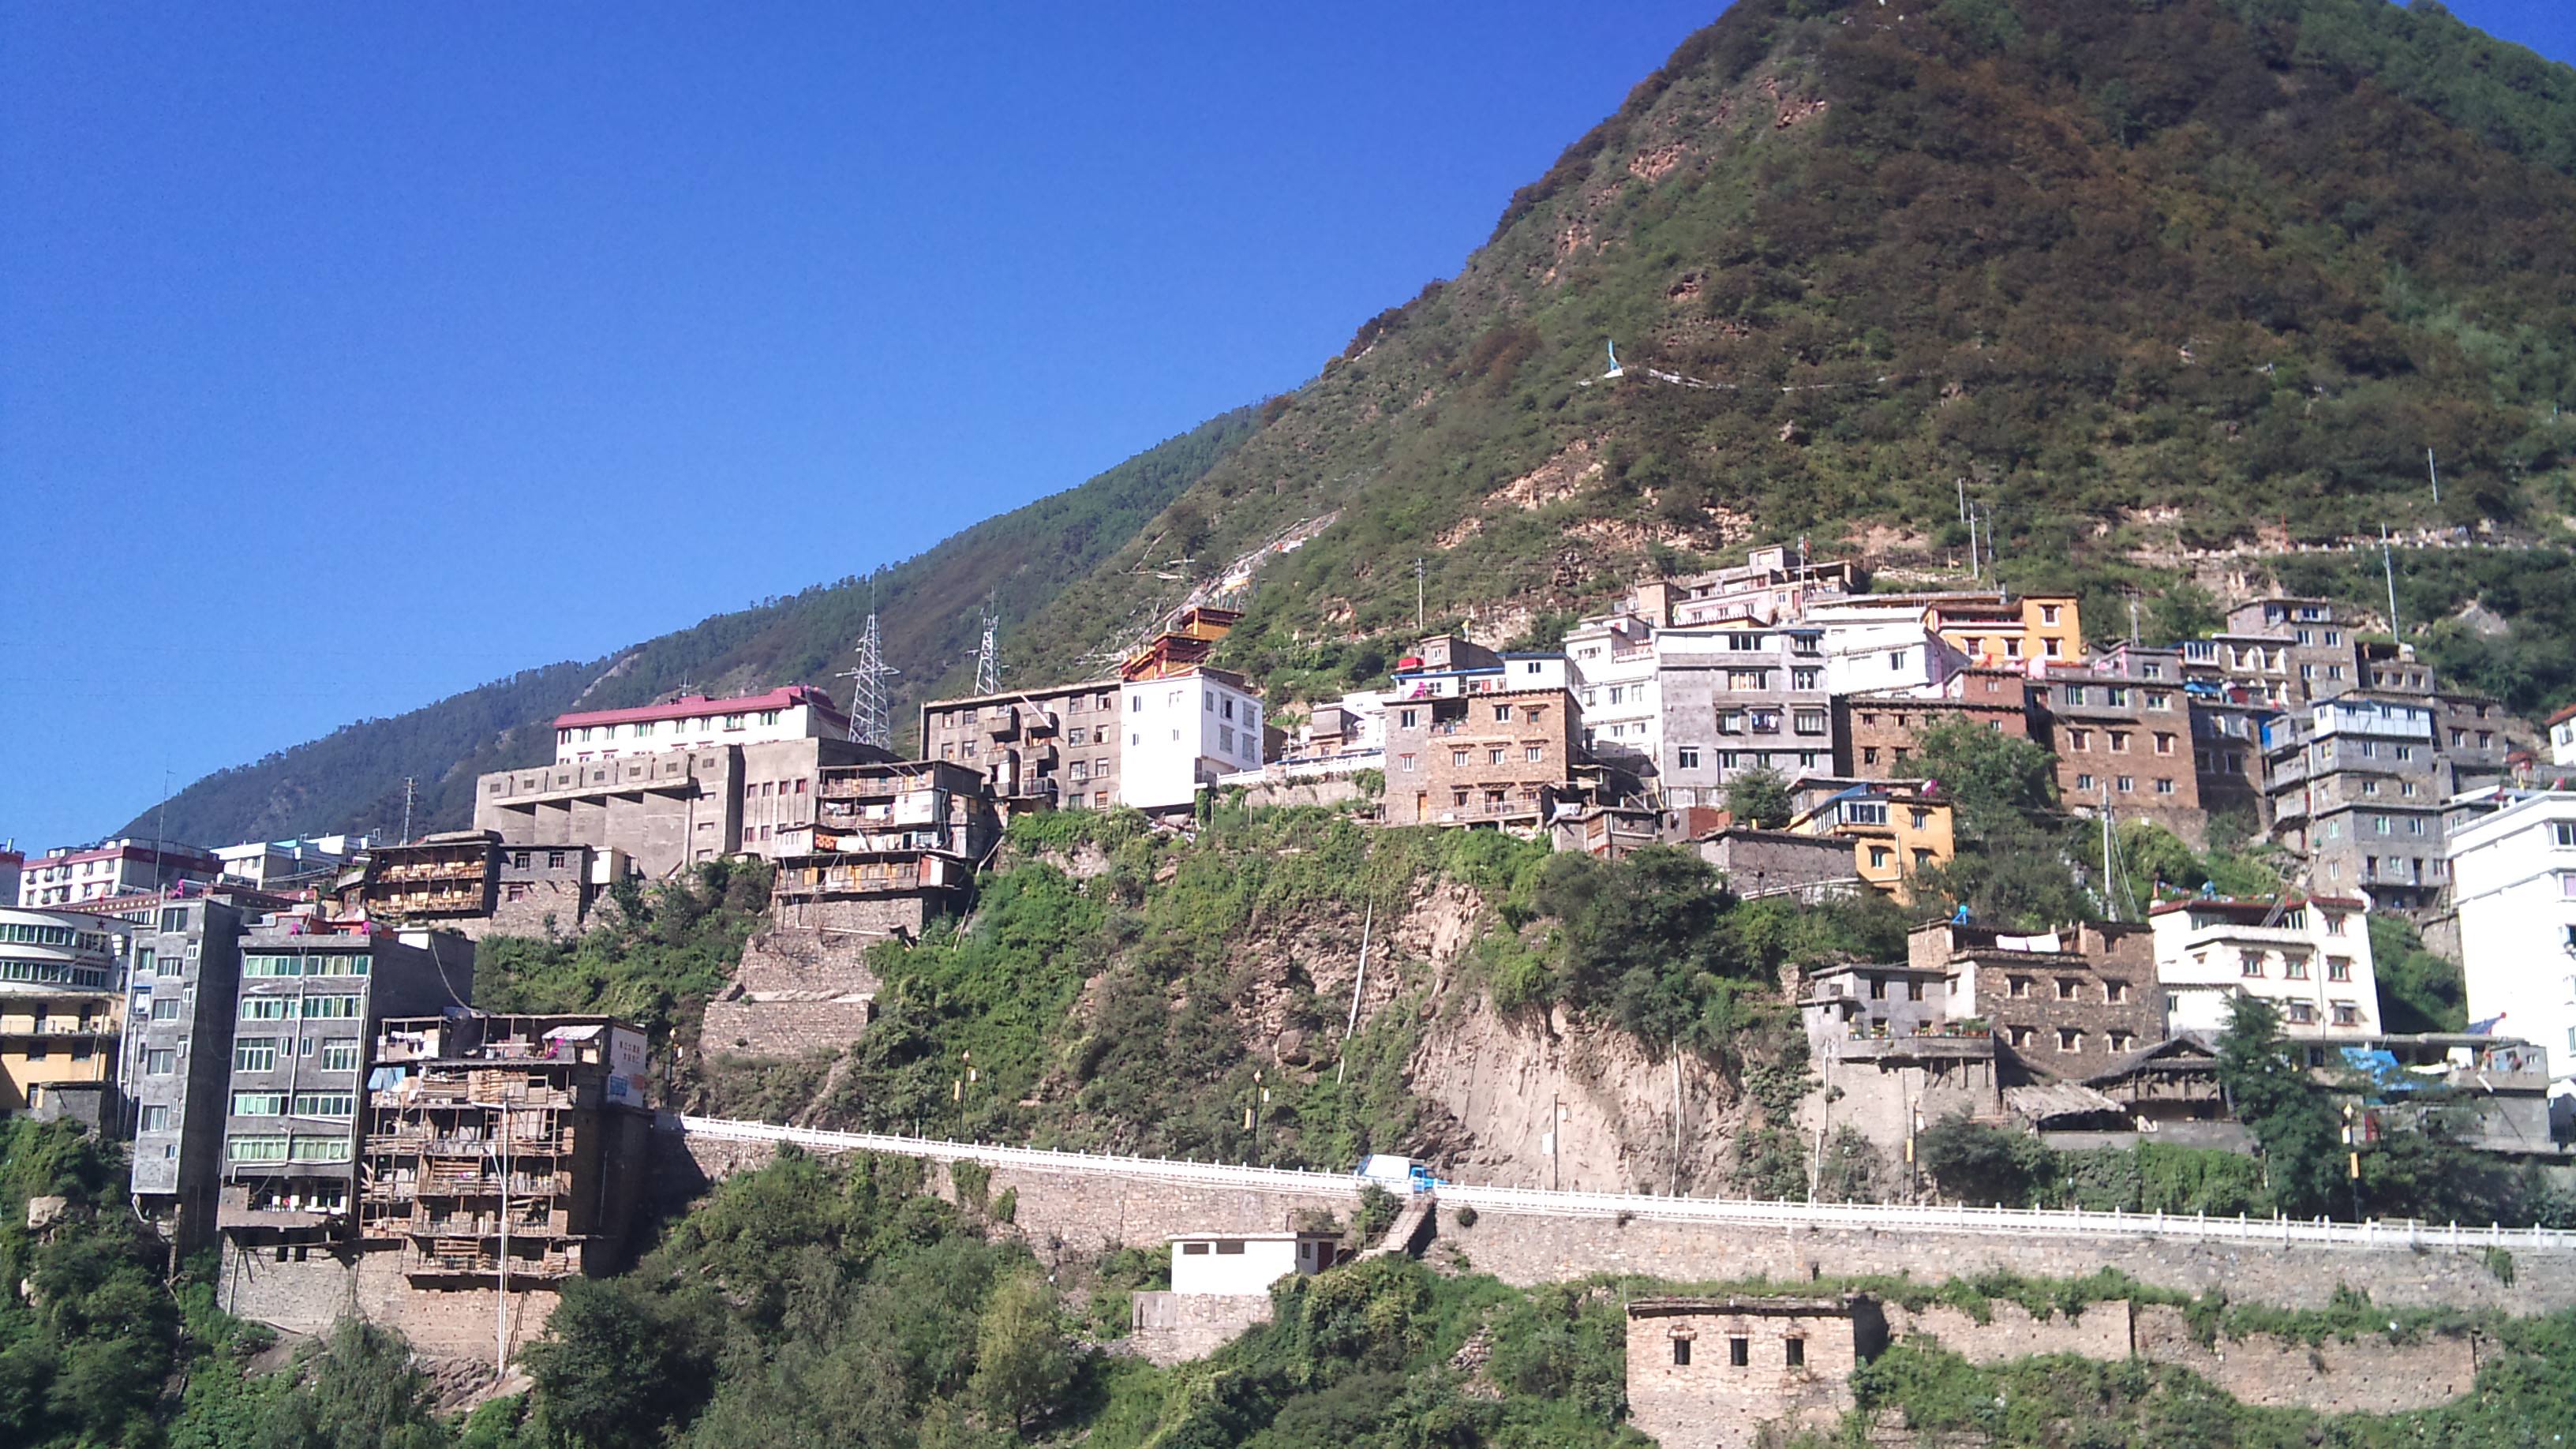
988	656
871	707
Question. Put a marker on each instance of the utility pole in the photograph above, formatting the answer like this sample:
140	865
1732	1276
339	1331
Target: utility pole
501	1298
2435	474
2388	566
1973	575
410	792
1417	595
2110	903
1963	499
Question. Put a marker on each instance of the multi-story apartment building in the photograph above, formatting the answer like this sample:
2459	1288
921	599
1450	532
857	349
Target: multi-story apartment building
67	876
1897	828
304	1023
184	970
1895	652
2227	750
696	722
1733	700
495	1144
467	881
1183	730
1618	663
893	845
1774	585
288	864
2296	650
2308	956
2123	741
2063	1004
1502	759
2562	736
671	785
2514	885
1998	631
2356	785
1878	734
62	1008
1062	745
2470	729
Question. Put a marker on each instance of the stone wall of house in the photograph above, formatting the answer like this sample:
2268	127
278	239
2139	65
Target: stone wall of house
1697	1397
327	1284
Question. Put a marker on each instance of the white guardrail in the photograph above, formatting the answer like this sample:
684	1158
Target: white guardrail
1747	1212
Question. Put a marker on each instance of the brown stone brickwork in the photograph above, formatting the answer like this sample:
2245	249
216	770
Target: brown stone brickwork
331	1283
2369	1374
2010	1331
1170	1328
1712	1373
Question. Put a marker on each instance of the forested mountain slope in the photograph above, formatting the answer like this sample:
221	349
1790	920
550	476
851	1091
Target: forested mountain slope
2169	286
929	608
2150	277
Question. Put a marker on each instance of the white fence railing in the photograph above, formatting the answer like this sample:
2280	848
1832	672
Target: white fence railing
1746	1212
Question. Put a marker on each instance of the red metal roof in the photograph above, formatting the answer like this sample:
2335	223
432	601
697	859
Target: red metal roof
2563	715
692	705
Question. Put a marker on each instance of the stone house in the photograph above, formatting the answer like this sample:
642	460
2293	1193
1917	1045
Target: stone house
2122	742
2063	1005
1500	759
1717	1373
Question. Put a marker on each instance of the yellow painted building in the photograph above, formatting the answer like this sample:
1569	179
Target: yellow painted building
61	1009
2008	633
1896	833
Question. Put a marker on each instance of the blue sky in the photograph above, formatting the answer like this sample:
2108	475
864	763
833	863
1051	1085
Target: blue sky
353	355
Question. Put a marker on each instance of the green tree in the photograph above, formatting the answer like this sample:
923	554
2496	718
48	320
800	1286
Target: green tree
2296	1125
1021	1365
615	1367
2418	991
361	1391
1759	798
1977	1163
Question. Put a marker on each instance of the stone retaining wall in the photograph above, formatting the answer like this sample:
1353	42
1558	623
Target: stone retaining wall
1084	1212
2101	1331
2367	1375
1534	1248
328	1285
1170	1328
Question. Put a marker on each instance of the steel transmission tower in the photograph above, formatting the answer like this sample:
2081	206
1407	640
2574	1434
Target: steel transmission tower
988	657
871	701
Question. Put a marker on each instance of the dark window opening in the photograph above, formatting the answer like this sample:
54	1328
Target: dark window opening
1797	1353
1681	1352
1739	1351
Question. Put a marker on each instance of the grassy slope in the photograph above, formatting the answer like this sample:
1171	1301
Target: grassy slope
352	778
